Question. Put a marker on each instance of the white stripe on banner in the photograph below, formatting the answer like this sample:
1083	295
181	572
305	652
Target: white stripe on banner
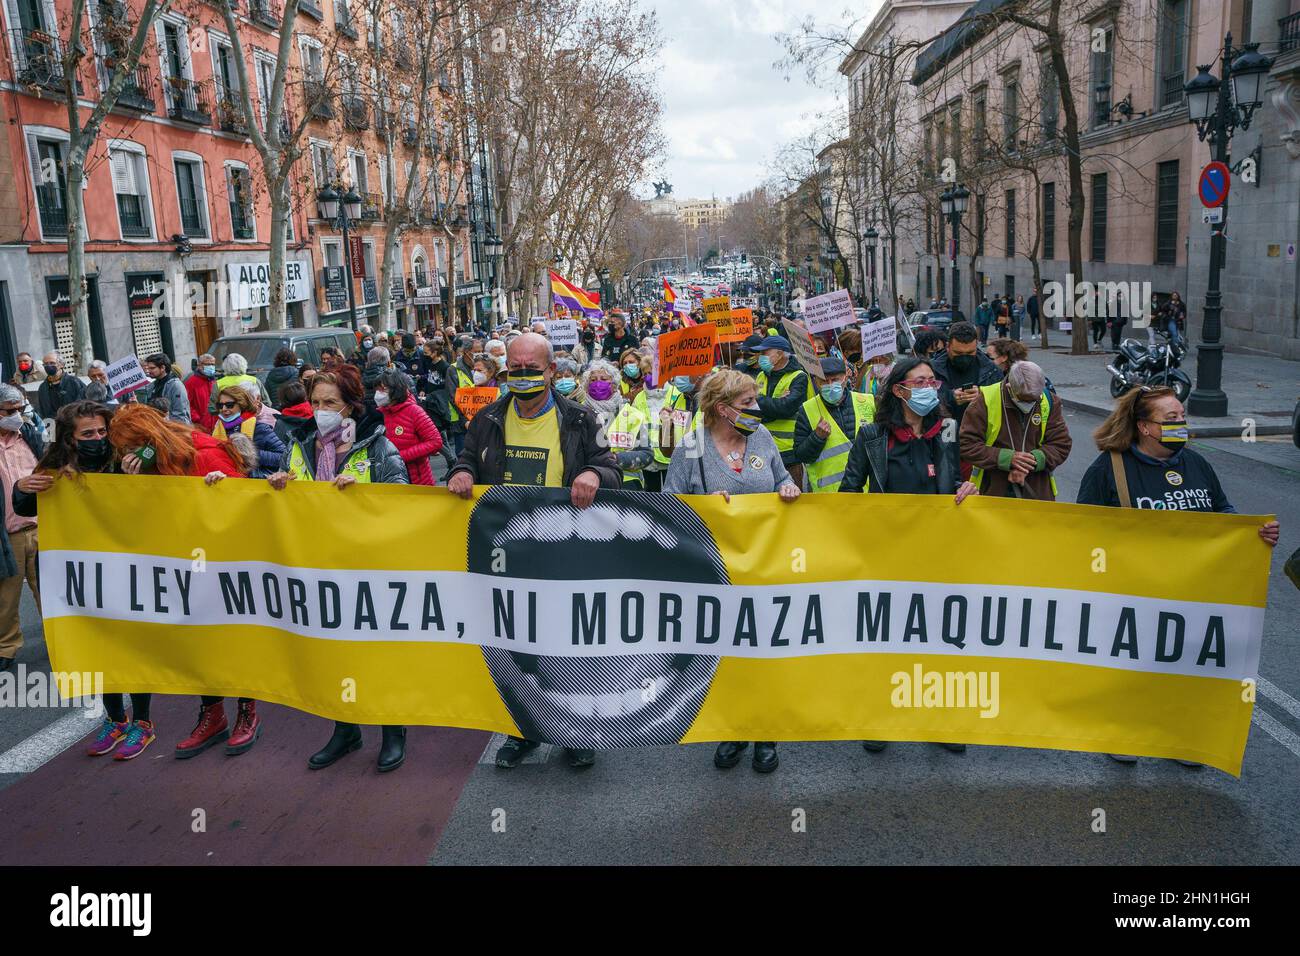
604	618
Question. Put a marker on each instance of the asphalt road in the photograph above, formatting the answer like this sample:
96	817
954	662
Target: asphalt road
913	803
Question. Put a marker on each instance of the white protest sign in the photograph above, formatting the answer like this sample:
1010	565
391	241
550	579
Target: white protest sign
878	338
125	375
830	311
744	302
563	333
805	352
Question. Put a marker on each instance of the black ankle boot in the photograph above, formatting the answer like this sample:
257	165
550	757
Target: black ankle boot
392	752
347	738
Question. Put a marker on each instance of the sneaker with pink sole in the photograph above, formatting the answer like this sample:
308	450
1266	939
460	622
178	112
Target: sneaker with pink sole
138	737
110	735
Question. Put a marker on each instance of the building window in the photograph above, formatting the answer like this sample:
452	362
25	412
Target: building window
1247	11
131	187
189	191
1171	48
1167	213
1100	86
323	166
1011	223
1051	99
1011	111
980	224
239	194
1049	220
980	124
929	282
332	252
51	185
1099	217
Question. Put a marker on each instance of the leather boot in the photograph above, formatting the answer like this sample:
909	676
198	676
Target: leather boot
392	752
248	727
210	729
728	753
765	759
346	738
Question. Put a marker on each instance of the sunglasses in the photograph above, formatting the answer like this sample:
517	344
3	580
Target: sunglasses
227	404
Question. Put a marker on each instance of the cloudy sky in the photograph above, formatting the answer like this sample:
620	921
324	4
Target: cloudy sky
726	107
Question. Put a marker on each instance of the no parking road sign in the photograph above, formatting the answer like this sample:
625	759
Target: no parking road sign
1213	187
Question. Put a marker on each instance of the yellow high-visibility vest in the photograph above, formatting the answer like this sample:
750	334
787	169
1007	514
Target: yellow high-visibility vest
993	402
357	464
622	433
826	473
782	430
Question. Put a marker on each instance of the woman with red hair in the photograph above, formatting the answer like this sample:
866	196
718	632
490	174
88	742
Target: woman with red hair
147	442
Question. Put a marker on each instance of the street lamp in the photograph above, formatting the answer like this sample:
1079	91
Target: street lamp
603	275
871	236
953	202
493	247
1218	108
342	208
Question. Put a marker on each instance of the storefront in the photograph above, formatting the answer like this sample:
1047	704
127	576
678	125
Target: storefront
151	327
60	303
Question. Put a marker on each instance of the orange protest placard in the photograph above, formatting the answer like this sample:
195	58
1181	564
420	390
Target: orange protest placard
687	351
469	400
739	328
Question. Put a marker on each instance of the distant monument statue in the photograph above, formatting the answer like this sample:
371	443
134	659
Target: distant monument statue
664	188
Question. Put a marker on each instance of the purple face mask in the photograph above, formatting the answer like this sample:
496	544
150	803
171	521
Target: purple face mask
599	390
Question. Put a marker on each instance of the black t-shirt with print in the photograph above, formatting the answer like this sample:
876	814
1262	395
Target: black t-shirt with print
1185	482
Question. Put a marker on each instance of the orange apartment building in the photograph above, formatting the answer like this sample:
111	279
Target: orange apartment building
173	193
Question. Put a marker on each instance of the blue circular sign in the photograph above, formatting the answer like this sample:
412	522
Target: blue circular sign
1213	187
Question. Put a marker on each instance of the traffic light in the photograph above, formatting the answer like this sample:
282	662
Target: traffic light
790	269
744	257
778	281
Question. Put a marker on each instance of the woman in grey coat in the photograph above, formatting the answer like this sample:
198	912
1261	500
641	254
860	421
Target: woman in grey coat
732	454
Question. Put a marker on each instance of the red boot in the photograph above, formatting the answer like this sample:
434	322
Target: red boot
211	729
248	727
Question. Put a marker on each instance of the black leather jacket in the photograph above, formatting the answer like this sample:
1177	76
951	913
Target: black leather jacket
869	457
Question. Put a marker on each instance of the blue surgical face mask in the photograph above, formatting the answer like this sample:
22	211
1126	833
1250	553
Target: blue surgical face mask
923	400
833	393
565	386
631	370
208	370
683	383
764	363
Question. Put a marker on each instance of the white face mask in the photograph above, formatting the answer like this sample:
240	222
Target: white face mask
327	421
381	398
1024	407
12	423
479	378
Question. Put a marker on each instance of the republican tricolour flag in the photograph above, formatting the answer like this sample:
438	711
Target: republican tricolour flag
675	302
574	298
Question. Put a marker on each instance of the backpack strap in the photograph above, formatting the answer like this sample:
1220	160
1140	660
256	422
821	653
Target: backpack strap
1121	479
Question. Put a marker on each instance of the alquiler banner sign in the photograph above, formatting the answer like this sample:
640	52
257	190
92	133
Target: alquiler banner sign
652	619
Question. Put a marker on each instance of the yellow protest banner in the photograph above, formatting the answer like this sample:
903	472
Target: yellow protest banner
694	596
740	326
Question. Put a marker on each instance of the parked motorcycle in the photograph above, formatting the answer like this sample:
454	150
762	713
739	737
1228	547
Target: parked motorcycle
1139	364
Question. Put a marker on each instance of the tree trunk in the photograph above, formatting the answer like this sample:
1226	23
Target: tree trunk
275	307
1074	166
83	349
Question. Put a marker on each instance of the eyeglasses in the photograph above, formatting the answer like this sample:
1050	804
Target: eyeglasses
227	404
922	383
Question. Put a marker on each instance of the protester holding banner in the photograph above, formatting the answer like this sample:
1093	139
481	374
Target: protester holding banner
536	437
735	454
825	425
236	415
344	450
407	426
783	387
1014	437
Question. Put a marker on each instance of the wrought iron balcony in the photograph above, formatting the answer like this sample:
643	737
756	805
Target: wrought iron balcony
134	217
266	13
1289	33
319	99
371	207
343	20
188	101
137	94
312	9
37	59
54	215
241	221
410	134
230	115
356	112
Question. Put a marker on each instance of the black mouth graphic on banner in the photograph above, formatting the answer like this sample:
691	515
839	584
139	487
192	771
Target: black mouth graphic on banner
633	700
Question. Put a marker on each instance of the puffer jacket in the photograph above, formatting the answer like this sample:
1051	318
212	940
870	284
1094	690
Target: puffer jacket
869	458
277	377
386	465
413	433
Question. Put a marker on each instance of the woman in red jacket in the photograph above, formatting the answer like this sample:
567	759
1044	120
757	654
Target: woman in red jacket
407	426
148	443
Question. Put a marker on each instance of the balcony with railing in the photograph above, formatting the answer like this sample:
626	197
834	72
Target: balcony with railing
137	93
410	134
54	215
384	121
1289	33
371	207
319	99
230	115
266	13
344	22
188	101
131	212
356	112
37	59
241	220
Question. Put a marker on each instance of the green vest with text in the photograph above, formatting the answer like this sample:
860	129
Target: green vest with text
993	402
826	473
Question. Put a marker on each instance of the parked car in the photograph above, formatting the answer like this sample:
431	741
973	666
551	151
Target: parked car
259	348
936	319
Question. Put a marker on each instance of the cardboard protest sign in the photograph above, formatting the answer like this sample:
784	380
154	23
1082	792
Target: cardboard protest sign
879	338
718	311
125	375
687	351
740	327
830	311
563	333
470	400
805	352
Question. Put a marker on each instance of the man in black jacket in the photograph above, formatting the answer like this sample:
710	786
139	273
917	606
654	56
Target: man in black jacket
58	389
534	436
963	369
619	339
